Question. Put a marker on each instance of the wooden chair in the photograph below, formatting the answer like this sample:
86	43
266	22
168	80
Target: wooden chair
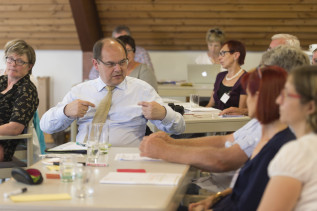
21	158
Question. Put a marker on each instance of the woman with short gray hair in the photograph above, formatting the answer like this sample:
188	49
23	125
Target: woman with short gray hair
18	95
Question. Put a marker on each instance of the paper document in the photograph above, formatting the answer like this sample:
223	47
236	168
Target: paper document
132	157
141	178
68	147
203	109
188	107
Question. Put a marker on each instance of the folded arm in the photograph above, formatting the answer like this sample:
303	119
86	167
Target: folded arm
11	129
204	157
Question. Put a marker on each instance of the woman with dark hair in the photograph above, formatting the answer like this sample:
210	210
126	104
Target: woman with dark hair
136	69
227	88
293	172
262	87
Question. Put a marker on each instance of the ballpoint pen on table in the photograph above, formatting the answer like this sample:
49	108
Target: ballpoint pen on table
15	192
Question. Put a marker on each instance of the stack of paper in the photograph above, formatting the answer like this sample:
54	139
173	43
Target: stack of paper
141	178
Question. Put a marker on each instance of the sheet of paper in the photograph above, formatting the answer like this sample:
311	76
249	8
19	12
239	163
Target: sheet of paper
141	178
132	157
202	109
69	146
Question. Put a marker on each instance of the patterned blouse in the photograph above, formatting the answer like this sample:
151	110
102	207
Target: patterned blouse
17	105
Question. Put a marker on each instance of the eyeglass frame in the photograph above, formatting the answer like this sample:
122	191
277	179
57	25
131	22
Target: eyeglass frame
223	53
11	60
124	61
284	94
215	31
130	50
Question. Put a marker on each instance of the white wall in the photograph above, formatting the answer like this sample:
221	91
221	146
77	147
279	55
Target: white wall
65	67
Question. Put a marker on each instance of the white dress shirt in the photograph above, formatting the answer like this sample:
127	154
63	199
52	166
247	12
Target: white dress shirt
125	119
248	136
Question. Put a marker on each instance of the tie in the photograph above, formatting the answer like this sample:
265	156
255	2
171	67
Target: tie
104	107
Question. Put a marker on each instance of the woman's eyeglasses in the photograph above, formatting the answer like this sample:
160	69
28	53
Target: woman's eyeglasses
285	94
17	62
223	53
216	31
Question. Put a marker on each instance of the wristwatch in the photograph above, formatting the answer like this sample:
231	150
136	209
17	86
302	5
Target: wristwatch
218	197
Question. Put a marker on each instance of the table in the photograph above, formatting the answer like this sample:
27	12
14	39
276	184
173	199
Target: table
106	196
209	123
171	90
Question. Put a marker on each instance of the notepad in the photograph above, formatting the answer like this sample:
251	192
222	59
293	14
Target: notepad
141	178
40	197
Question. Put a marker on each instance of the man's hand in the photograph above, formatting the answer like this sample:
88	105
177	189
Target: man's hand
153	110
234	111
77	108
162	135
152	147
202	205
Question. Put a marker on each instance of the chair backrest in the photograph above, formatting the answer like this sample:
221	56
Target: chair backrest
5	167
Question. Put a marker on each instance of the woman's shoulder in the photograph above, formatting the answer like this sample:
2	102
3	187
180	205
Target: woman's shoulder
295	158
26	82
222	74
306	144
143	67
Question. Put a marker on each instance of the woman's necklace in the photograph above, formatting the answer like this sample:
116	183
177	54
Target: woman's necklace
229	79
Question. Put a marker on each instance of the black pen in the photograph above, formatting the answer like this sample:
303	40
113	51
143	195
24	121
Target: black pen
57	163
15	192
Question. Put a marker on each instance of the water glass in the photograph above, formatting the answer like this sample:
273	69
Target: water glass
98	144
67	169
83	182
194	101
104	147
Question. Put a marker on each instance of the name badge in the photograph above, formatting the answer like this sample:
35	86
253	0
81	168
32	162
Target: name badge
225	97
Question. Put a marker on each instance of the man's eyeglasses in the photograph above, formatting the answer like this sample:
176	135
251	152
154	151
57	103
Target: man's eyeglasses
215	31
130	50
285	94
17	62
223	53
123	63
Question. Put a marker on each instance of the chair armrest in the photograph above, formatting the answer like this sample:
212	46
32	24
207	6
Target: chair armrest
22	136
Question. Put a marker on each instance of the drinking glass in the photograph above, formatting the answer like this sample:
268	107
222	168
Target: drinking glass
194	101
97	144
93	135
83	182
67	169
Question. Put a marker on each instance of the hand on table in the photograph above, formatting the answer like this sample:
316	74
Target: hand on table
152	147
234	111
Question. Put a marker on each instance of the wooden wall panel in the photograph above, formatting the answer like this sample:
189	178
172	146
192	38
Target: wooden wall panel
181	25
45	24
162	24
